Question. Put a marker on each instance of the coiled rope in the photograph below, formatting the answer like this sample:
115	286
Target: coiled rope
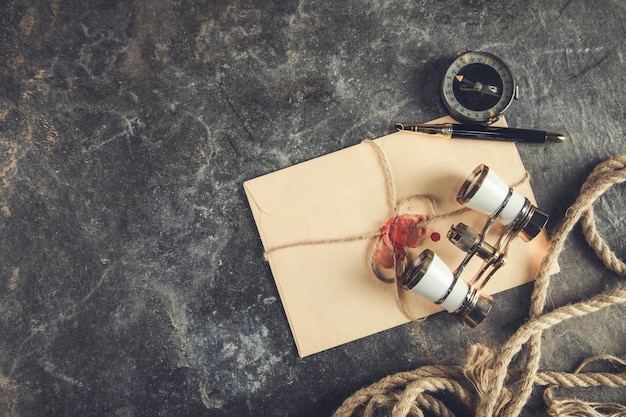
484	385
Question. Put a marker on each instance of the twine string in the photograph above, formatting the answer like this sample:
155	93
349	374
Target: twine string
390	189
396	209
485	383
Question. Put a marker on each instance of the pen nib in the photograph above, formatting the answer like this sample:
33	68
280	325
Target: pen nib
440	130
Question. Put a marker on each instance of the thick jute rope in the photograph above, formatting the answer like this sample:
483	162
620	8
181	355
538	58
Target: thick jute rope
486	385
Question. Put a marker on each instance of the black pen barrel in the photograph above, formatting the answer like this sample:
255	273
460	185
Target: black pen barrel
505	134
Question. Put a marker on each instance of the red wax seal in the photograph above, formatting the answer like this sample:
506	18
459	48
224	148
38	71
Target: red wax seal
399	232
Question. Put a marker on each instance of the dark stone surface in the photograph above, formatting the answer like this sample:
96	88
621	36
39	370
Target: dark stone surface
131	272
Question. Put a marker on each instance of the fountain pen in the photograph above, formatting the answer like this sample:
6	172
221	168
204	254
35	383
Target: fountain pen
467	131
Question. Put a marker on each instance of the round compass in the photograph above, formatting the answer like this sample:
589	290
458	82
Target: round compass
477	88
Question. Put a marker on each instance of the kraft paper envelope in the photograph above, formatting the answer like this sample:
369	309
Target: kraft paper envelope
328	291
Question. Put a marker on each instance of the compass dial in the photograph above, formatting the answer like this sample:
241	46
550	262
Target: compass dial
477	88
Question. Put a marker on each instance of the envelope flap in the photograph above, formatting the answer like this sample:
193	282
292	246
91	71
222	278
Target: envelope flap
291	189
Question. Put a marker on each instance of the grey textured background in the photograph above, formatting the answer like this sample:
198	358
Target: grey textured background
131	273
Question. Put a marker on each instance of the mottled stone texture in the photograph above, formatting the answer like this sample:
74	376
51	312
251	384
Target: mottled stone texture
132	280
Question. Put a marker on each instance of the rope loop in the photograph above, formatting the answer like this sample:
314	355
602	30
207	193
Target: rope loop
612	172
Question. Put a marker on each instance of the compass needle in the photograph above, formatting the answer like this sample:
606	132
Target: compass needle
483	91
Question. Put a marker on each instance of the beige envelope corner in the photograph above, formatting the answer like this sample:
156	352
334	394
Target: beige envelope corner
327	289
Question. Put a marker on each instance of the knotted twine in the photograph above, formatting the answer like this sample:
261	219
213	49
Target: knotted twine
397	209
480	383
